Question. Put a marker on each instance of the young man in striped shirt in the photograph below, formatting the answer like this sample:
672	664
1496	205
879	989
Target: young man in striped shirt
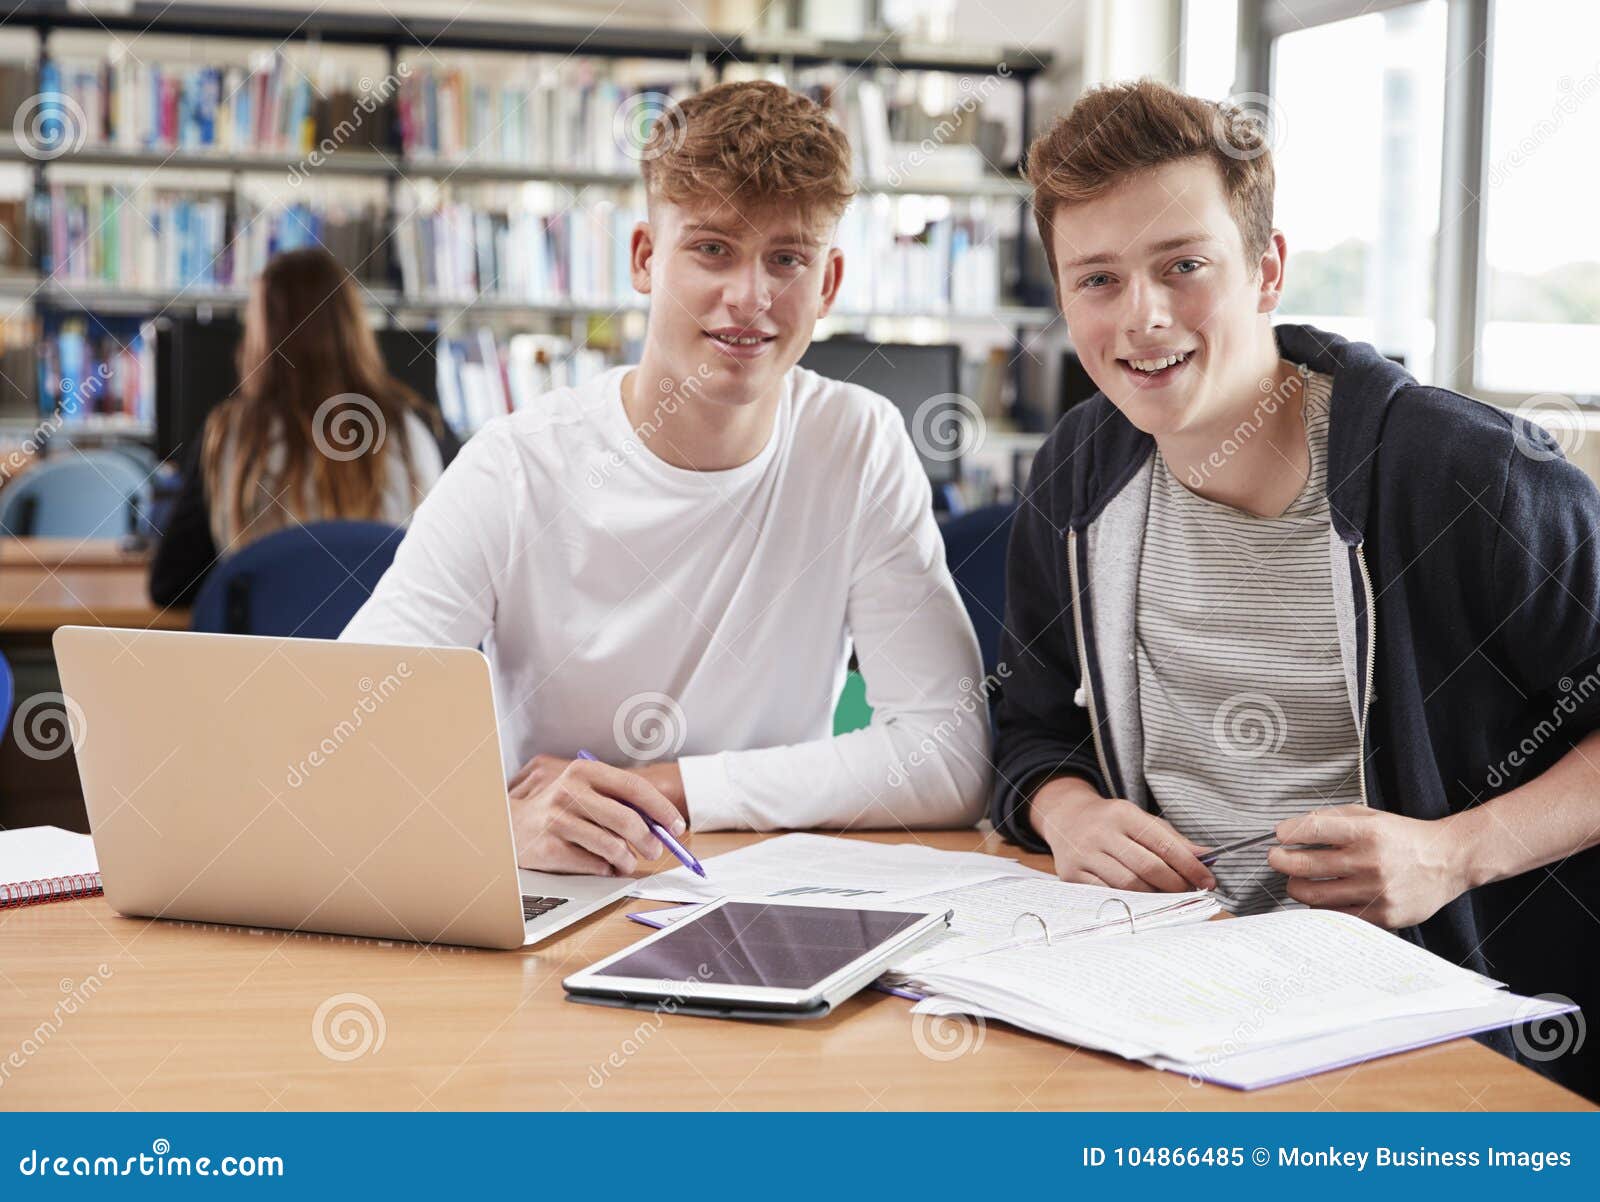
1266	583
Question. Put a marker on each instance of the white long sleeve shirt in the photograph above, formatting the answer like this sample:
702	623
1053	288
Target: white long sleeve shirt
644	611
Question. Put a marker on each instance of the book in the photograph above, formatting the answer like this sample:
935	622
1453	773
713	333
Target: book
268	106
96	367
536	244
128	236
538	111
45	864
486	375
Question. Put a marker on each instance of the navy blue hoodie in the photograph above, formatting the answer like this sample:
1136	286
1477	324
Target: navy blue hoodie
1467	575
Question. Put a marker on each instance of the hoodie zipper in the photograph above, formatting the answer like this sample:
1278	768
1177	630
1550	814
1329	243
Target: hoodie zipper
1371	668
1083	660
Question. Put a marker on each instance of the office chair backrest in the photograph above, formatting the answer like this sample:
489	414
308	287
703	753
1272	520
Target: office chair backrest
84	494
975	548
137	453
305	581
7	694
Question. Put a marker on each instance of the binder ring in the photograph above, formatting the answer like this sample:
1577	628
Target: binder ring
1133	928
1044	927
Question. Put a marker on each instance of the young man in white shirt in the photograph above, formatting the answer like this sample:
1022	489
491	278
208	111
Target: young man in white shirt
669	566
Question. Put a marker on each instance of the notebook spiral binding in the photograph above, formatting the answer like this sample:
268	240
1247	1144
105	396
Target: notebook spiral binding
49	889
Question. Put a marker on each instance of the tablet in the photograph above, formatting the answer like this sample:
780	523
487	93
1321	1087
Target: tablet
758	958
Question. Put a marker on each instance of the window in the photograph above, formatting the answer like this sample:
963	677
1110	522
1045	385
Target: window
1210	47
1540	307
1357	132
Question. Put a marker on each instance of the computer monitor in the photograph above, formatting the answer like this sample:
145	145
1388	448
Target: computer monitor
195	372
909	375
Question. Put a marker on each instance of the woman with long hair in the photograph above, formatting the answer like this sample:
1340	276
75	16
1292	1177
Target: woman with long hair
317	430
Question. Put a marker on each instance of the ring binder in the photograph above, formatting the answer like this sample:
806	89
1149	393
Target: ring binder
1046	938
1133	927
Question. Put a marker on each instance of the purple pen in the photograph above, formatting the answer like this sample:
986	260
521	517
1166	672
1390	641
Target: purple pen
685	856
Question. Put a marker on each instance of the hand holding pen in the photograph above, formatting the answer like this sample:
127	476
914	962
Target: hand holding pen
685	857
585	816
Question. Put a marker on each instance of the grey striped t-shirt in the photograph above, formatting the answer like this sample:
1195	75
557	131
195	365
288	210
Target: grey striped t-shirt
1242	694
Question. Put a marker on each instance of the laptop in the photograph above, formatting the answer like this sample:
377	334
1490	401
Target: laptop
306	785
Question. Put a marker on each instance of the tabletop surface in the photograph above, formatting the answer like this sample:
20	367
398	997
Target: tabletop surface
98	1011
51	582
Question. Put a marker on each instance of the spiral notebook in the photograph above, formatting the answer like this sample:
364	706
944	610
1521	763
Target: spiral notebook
45	864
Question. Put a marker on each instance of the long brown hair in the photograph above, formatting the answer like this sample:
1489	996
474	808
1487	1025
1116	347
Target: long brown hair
311	380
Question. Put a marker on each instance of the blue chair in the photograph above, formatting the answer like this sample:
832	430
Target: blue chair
8	693
140	455
87	494
306	581
975	548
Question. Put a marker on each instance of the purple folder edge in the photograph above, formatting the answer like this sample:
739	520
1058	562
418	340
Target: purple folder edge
1354	1060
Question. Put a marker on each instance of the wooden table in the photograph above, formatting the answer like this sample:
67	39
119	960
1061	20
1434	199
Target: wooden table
71	552
205	1017
46	583
51	582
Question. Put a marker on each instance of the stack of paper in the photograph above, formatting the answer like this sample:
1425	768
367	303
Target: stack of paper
817	868
1245	1001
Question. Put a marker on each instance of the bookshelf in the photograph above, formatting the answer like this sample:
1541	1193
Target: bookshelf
986	208
360	163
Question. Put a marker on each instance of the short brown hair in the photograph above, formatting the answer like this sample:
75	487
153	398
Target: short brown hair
1117	130
756	143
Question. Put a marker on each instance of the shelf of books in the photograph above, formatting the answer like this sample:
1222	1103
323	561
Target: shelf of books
487	194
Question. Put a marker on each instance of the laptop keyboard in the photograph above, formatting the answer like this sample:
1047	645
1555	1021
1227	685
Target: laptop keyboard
538	907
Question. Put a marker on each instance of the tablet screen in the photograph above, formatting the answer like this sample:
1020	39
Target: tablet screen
750	943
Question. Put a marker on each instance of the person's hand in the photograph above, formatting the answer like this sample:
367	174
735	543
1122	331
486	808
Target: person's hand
1111	841
568	816
1391	870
